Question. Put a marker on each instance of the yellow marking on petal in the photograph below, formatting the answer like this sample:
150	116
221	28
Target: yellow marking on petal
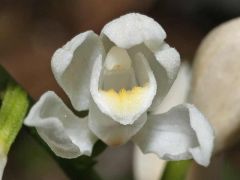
125	101
118	67
115	142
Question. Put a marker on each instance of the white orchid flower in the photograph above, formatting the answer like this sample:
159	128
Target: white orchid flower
120	76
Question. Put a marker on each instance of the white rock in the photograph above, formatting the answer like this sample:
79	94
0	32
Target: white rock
216	82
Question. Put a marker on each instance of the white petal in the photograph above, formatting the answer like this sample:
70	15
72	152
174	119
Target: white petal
106	42
169	58
117	59
181	133
179	91
3	162
125	107
132	29
118	80
65	133
147	166
117	71
164	62
72	67
110	131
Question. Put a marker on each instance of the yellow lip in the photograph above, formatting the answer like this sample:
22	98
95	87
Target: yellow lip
125	101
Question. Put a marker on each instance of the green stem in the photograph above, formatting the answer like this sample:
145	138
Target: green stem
176	170
13	109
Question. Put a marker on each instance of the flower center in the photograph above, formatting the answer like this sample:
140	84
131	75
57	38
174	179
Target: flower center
117	59
125	100
125	86
120	89
118	72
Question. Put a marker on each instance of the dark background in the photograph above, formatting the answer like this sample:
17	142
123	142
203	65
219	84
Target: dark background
31	30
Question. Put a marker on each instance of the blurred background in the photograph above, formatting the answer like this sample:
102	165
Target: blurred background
31	30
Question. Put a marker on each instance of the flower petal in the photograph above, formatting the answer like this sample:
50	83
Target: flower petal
117	70
132	29
164	62
147	166
181	133
72	67
125	107
179	91
65	133
110	131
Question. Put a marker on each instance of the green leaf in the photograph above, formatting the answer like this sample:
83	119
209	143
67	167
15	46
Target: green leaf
176	170
13	109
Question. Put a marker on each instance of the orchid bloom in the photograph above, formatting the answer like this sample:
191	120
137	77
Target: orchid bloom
121	77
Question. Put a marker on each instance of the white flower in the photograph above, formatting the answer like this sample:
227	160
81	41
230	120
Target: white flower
120	76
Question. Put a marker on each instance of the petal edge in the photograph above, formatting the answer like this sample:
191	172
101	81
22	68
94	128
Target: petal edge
181	133
65	133
132	29
72	66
